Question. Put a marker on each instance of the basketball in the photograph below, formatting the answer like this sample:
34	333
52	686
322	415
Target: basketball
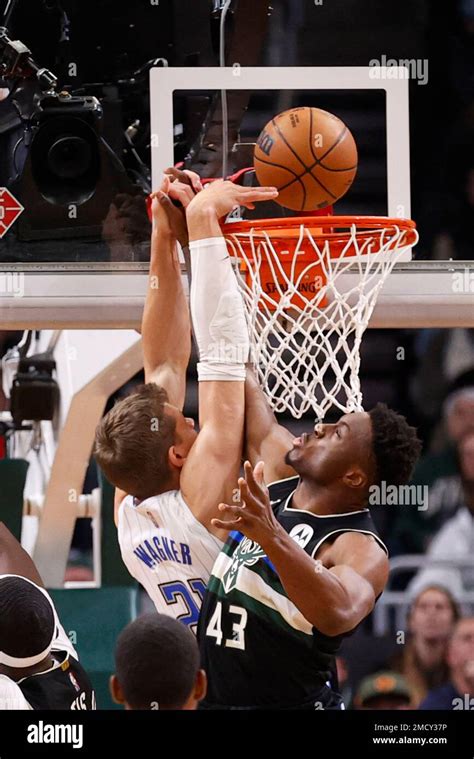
309	154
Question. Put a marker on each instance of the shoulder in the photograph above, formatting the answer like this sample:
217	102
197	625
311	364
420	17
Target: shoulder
11	696
362	553
355	540
360	546
149	506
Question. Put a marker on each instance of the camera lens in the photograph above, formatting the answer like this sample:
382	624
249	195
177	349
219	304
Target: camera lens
69	157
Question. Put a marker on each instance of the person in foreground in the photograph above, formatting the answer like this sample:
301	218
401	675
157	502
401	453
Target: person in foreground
303	564
157	666
39	667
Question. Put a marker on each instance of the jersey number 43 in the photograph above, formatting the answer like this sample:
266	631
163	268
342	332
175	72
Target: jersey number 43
239	622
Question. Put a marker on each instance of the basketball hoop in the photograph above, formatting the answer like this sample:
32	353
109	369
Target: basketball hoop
309	286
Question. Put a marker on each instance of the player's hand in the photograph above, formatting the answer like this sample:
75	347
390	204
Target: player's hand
223	196
186	177
254	515
169	217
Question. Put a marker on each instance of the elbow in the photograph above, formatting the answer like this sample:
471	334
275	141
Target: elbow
337	624
342	621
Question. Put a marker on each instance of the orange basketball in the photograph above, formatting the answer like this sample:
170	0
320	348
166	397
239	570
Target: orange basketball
309	155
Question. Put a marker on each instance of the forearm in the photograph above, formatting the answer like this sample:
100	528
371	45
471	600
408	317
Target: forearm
259	417
265	439
217	312
319	593
202	223
166	329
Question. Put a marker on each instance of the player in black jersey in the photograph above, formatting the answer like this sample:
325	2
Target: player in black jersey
39	668
303	565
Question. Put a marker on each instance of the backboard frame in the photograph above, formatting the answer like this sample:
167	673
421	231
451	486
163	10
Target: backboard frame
164	81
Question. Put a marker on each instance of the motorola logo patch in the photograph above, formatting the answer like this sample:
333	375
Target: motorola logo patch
302	534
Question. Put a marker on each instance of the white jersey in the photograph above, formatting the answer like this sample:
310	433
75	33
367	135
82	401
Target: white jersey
169	552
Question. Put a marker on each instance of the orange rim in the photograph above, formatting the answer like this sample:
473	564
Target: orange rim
322	227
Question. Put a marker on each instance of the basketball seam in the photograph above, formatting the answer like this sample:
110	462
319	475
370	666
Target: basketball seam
287	143
336	142
319	161
309	170
311	135
279	166
296	177
328	168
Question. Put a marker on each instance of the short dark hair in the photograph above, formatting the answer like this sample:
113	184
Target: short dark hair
396	446
132	442
156	662
26	618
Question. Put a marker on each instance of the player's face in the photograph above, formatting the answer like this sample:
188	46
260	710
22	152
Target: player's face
331	449
185	434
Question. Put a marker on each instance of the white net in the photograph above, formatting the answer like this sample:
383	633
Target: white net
307	309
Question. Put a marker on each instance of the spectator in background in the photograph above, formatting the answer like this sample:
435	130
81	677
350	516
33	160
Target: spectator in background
458	693
448	355
384	690
422	660
455	540
157	666
440	472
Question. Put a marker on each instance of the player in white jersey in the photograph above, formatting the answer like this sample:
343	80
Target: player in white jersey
173	476
39	667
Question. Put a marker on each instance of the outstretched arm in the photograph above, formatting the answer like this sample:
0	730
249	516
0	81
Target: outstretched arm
166	328
220	328
265	439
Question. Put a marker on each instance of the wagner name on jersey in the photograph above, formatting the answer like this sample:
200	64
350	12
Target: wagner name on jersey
258	650
168	551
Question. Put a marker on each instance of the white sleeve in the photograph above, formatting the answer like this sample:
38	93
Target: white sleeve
217	311
11	697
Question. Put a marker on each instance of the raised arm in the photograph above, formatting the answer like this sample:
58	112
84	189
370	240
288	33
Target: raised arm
212	466
265	439
166	327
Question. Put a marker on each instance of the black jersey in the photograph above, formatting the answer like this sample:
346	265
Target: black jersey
257	648
63	687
